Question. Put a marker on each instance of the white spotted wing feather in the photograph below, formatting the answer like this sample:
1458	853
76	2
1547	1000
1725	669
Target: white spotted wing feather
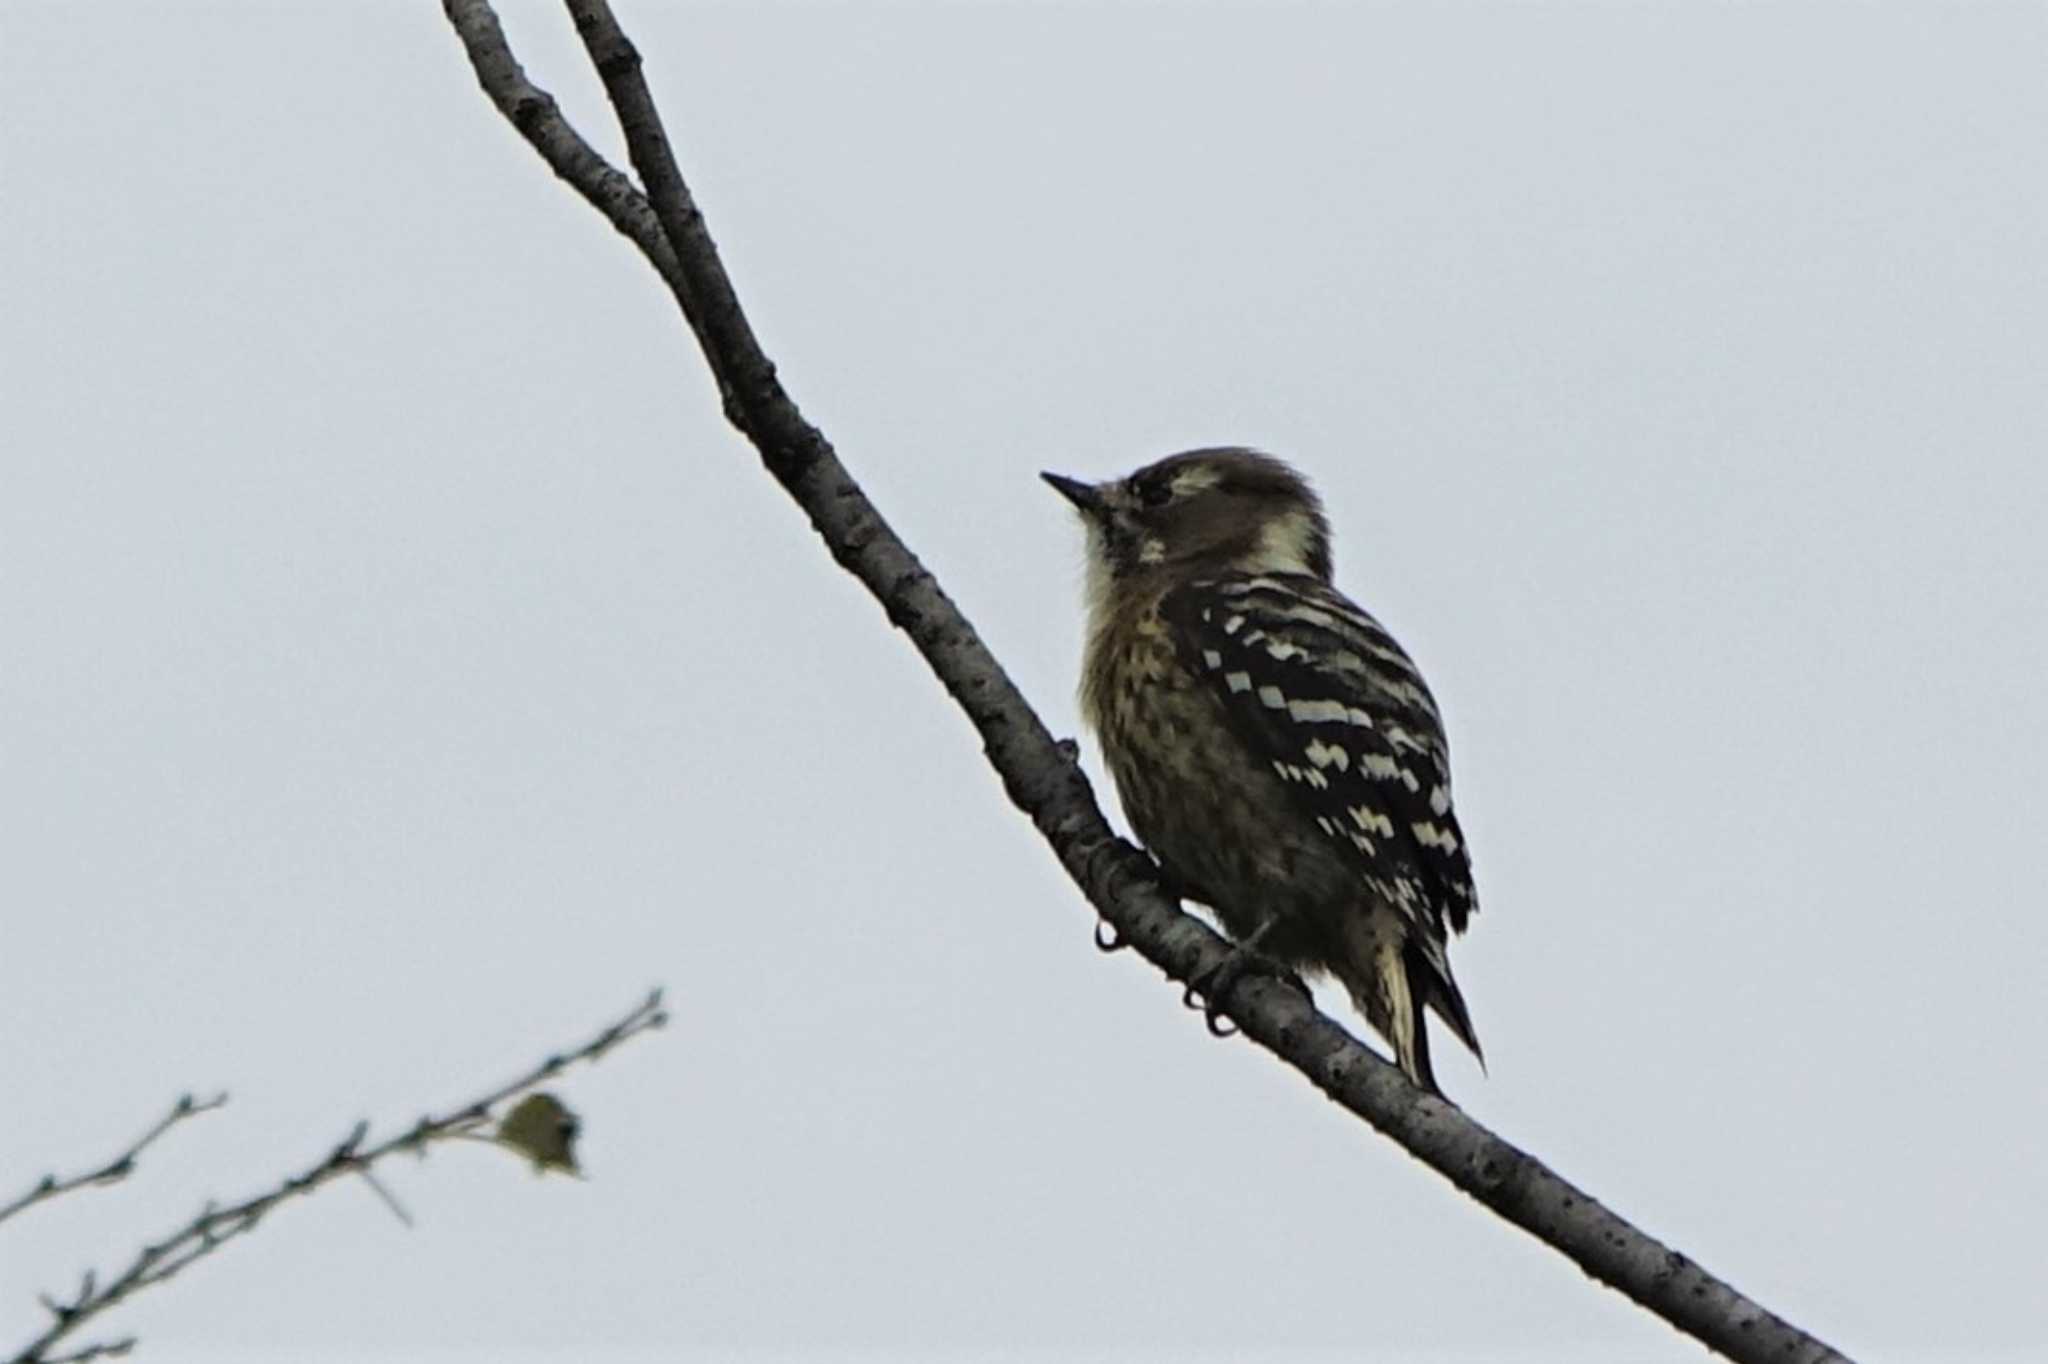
1322	693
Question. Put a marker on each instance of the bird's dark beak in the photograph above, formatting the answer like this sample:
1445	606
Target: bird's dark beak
1085	496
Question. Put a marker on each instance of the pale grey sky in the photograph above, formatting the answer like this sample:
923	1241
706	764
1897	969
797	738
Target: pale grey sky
404	666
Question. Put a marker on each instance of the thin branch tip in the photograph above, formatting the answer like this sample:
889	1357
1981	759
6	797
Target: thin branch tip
121	1165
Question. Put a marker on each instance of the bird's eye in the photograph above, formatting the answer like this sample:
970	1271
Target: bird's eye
1155	492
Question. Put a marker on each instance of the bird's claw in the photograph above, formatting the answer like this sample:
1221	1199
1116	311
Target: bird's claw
1210	991
1195	997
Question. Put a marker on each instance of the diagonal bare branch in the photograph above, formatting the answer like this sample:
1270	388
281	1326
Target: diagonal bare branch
1038	773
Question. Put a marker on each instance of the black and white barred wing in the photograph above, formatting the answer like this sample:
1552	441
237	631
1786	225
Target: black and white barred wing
1325	696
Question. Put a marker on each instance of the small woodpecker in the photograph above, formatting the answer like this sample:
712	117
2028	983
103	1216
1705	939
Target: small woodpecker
1274	748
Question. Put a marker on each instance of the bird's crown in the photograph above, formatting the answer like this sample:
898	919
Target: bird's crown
1226	508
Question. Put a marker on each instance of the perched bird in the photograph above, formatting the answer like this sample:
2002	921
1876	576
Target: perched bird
1274	748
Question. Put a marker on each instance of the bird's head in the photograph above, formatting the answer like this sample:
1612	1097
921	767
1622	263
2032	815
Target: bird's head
1226	509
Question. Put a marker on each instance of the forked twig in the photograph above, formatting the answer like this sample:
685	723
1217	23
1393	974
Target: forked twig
122	1165
215	1225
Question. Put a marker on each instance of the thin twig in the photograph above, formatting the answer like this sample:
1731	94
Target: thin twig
1041	778
216	1225
121	1166
390	1198
105	1349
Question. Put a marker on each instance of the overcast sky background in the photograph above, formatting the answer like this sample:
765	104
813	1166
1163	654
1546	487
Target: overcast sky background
404	667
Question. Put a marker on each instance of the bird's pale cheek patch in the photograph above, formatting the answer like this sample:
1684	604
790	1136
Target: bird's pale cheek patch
1123	545
1287	544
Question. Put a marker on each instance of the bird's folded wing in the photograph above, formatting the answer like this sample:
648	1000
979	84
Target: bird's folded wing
1318	690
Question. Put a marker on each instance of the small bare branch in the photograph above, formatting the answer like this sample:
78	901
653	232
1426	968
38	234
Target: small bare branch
390	1198
215	1225
106	1349
121	1166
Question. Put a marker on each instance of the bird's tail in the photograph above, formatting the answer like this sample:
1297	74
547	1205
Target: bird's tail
1394	976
